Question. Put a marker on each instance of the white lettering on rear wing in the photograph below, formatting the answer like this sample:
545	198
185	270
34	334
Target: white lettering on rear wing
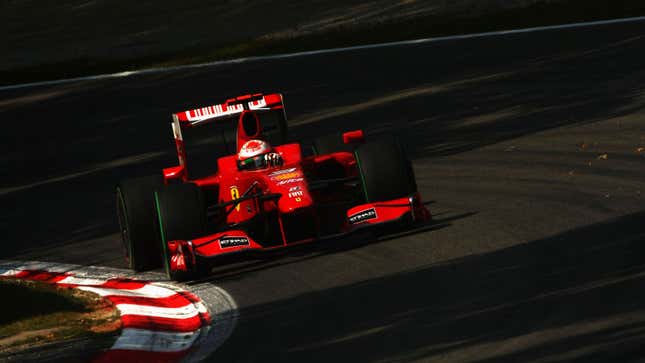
205	113
199	115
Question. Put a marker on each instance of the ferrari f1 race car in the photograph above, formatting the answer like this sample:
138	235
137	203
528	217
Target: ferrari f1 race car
239	187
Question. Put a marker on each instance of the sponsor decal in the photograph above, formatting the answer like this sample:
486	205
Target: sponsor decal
230	241
258	104
204	113
235	194
283	171
286	176
362	216
289	181
296	194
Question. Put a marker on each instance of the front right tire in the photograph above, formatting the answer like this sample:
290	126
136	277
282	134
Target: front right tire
385	170
181	215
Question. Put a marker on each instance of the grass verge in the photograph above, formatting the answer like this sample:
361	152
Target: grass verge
35	313
538	14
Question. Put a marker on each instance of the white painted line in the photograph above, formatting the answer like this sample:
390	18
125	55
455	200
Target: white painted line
154	341
201	307
146	291
184	312
73	280
324	51
10	272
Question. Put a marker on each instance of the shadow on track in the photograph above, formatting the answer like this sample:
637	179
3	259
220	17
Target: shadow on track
234	271
578	295
443	117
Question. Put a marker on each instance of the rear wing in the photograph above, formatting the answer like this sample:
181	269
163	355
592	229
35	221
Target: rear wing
270	106
229	109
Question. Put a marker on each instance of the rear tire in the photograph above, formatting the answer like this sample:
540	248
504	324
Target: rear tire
136	215
275	129
386	172
330	144
280	134
181	215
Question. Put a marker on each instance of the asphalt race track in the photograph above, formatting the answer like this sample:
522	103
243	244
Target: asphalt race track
526	146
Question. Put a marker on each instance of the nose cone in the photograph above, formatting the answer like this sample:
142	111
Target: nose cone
291	183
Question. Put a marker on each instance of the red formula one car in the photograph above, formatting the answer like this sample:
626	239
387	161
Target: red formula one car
255	195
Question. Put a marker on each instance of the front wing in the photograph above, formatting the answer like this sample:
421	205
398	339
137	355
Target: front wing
207	249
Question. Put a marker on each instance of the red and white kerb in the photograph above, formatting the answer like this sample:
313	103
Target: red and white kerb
160	323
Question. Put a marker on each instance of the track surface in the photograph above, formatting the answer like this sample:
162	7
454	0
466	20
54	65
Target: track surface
537	253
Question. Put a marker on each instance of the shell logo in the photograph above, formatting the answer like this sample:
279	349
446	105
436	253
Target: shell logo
286	176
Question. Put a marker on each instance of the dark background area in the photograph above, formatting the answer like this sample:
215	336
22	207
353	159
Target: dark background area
71	38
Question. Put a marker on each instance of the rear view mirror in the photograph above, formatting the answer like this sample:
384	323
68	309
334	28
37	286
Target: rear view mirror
353	137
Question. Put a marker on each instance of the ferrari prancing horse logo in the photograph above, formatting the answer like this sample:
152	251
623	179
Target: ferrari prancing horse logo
235	194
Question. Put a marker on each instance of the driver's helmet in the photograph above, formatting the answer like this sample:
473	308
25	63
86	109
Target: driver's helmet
251	155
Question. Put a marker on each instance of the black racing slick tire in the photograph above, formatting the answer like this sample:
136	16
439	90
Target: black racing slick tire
385	170
134	202
332	143
276	129
181	215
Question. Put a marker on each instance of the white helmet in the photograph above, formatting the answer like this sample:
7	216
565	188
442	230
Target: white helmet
253	148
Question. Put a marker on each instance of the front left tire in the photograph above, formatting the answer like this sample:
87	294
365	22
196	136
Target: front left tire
134	201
